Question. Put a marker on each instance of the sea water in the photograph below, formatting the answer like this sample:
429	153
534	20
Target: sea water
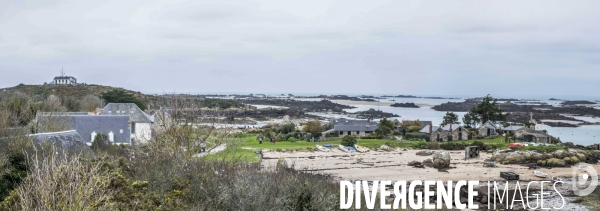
583	135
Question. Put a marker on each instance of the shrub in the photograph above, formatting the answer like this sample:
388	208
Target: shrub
292	139
349	140
415	136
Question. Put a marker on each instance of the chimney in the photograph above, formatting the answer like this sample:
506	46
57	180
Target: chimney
450	127
430	128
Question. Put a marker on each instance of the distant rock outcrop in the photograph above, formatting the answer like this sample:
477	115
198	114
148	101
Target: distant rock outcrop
405	105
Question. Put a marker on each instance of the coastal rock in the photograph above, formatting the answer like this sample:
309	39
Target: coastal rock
414	163
282	163
560	154
424	152
555	162
384	147
441	160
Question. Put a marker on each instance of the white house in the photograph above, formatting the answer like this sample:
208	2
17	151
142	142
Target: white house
140	123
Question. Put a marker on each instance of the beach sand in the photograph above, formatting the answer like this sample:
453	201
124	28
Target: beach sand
393	166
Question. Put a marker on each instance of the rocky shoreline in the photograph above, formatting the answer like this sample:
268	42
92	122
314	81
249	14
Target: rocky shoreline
405	105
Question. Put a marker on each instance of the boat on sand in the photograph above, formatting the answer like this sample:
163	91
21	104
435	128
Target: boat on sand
322	148
540	174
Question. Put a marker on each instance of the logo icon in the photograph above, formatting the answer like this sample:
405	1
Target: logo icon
581	173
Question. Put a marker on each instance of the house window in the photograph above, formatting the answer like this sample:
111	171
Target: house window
341	133
357	132
459	129
349	132
121	131
132	127
460	136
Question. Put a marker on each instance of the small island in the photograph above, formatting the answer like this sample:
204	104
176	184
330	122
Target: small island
404	105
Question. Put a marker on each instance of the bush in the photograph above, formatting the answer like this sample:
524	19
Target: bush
480	144
415	136
292	139
349	140
544	149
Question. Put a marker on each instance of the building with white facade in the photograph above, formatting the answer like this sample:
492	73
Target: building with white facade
140	123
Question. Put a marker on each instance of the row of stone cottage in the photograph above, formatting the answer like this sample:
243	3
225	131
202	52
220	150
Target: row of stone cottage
122	123
451	132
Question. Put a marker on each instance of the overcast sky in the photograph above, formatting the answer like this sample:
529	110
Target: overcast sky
439	48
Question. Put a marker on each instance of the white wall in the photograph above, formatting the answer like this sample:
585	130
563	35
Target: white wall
143	132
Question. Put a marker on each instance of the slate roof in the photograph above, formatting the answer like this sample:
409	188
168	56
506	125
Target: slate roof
426	129
489	123
100	124
354	125
512	128
39	117
447	127
129	109
64	141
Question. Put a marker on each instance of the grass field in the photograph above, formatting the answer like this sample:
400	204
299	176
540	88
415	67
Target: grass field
252	143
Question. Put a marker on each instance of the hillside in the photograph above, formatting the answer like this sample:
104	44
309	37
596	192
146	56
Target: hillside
77	92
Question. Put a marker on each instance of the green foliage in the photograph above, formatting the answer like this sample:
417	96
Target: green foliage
450	118
220	103
543	149
314	126
414	129
415	136
349	141
292	139
287	128
12	172
384	128
101	143
121	96
488	109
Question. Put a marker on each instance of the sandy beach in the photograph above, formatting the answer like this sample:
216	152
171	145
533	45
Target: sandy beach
393	166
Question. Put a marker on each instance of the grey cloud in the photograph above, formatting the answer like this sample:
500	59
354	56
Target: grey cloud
410	47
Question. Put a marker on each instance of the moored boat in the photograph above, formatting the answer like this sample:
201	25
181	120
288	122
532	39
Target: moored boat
322	148
540	174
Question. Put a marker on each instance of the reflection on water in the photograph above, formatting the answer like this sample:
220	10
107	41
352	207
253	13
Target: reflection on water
584	135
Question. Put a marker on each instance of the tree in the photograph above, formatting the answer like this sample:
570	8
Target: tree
487	110
313	127
385	127
121	96
287	128
469	120
348	141
450	118
89	103
100	143
52	104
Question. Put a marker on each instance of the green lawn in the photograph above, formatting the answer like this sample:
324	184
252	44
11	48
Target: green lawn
244	149
252	143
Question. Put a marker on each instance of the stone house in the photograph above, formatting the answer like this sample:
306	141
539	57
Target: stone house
531	135
452	132
488	130
343	127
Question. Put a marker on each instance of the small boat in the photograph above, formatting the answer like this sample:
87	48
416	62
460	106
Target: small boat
352	149
345	148
540	174
557	180
361	149
328	146
322	148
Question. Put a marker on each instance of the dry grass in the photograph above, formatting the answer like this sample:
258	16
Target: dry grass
60	182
